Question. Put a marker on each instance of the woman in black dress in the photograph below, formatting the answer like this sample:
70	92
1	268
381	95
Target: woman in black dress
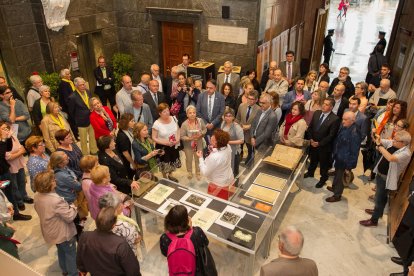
108	156
227	91
124	141
252	74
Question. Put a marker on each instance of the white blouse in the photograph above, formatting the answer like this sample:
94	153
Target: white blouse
217	167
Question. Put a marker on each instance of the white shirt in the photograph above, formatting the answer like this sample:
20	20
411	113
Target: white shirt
32	96
336	106
123	100
217	167
166	130
225	78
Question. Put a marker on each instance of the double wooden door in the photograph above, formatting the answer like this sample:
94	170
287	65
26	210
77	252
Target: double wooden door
177	39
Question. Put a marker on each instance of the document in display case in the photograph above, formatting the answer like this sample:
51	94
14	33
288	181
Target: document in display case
284	156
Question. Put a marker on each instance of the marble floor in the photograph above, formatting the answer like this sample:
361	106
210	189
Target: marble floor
333	236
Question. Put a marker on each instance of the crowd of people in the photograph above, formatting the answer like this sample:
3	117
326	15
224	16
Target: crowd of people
147	125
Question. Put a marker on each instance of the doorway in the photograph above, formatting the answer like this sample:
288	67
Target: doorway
177	39
90	47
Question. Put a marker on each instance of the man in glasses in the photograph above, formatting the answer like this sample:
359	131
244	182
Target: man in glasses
345	79
395	156
245	116
278	84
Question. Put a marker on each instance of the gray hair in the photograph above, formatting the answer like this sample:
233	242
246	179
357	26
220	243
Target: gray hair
229	63
109	200
404	136
63	72
77	80
349	114
91	100
43	88
189	108
152	67
35	78
135	93
265	96
292	240
346	69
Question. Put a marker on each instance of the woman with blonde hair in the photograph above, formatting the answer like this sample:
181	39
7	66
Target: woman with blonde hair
310	81
192	132
39	106
51	123
315	103
102	119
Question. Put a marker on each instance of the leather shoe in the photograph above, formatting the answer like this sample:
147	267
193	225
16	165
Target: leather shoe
306	175
397	274
368	223
320	184
369	211
333	199
21	207
22	217
28	200
329	188
397	260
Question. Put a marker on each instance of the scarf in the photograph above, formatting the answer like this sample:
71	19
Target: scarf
59	121
290	120
70	83
384	121
152	162
84	96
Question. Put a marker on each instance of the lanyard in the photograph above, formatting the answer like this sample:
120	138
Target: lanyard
71	83
58	121
84	99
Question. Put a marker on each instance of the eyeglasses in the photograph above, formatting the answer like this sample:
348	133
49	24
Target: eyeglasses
252	99
7	92
343	72
41	144
400	126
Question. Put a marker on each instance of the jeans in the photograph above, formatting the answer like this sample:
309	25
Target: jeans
67	257
18	182
381	197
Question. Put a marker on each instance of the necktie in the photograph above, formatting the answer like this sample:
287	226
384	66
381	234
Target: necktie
209	107
289	71
103	72
227	79
155	99
320	121
248	113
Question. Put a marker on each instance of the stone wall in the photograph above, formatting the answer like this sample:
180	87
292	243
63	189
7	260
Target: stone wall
23	41
139	37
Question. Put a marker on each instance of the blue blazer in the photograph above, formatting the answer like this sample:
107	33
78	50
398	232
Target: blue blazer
218	108
290	98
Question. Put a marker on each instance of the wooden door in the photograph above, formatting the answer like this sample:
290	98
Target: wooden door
177	39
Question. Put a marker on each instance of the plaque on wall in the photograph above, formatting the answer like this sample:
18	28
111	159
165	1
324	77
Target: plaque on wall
237	35
284	156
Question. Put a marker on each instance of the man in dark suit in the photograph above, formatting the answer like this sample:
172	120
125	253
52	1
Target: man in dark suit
156	75
170	83
210	107
328	47
65	89
229	77
322	131
267	74
341	103
80	111
154	98
345	79
245	116
264	123
361	120
290	68
105	88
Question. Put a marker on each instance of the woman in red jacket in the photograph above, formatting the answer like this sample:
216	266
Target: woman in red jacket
102	119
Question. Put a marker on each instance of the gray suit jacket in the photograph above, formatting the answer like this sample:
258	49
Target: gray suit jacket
146	112
218	108
241	118
234	81
295	69
264	129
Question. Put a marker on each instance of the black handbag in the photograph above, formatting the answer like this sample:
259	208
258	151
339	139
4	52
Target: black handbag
206	265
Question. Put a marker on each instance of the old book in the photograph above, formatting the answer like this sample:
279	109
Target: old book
284	156
262	194
269	181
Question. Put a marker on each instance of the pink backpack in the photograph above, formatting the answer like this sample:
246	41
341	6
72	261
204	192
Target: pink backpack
181	255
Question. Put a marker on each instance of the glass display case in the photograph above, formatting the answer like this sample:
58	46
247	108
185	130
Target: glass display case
246	221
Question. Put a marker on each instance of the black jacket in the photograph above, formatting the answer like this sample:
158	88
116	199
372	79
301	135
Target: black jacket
119	174
37	113
349	87
326	133
78	110
110	79
64	91
5	147
149	100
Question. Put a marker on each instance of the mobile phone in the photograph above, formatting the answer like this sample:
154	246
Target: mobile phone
4	183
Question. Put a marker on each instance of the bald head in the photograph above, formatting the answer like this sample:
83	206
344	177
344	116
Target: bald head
385	85
277	75
272	65
348	119
127	82
339	90
291	241
145	78
174	72
323	86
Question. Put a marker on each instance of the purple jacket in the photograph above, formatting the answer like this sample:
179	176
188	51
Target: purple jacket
95	193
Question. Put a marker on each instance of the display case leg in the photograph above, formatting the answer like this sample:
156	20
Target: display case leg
250	265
